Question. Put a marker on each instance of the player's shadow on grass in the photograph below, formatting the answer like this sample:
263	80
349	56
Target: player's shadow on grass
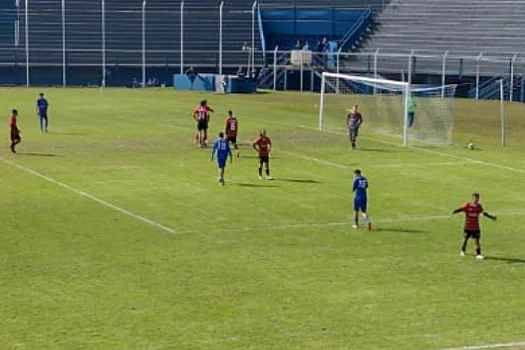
508	260
399	230
300	181
34	154
254	185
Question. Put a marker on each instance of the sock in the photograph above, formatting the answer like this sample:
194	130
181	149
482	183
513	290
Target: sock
464	247
260	171
267	172
356	220
366	218
353	144
478	251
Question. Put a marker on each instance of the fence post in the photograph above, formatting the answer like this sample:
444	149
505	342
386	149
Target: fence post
375	67
252	55
64	77
275	68
502	112
220	37
26	16
144	43
338	69
103	43
182	37
301	71
285	79
477	75
444	74
410	57
522	89
311	79
511	90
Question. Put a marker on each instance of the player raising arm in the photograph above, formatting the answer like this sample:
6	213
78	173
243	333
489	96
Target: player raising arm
232	128
221	147
15	131
263	146
360	189
353	122
201	114
472	229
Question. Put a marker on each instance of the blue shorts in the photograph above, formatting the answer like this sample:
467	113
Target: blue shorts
353	132
360	205
221	163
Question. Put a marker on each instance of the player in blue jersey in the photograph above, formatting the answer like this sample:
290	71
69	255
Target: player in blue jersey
221	147
360	188
41	108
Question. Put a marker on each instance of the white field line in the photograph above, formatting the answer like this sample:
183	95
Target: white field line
241	229
90	196
400	165
424	150
489	346
335	223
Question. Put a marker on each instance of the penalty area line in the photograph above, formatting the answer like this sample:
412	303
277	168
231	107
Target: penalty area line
89	196
423	150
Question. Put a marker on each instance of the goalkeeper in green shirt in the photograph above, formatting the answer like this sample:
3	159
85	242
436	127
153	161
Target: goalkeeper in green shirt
411	111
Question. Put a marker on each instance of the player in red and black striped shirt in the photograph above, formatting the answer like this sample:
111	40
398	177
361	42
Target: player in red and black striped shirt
15	131
472	229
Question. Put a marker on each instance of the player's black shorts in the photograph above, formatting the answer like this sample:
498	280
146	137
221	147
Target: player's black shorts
232	139
202	125
264	159
15	136
476	234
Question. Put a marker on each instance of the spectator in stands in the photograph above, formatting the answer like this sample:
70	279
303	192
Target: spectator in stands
306	47
135	83
298	45
320	46
240	72
326	45
192	75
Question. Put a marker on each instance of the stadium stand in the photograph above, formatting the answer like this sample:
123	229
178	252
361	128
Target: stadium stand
463	28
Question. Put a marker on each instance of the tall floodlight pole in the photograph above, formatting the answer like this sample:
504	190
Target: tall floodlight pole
182	37
103	43
26	16
144	43
64	77
220	37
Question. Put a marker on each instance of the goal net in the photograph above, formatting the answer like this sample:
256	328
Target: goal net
413	112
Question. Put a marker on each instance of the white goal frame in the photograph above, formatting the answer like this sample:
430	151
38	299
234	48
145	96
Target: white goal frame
405	87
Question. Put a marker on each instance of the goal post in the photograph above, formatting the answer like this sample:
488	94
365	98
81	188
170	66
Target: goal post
394	108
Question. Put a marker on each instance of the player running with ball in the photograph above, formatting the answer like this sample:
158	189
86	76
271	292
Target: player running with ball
360	188
472	229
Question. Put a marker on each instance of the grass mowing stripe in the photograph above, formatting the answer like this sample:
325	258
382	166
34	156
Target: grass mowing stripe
90	196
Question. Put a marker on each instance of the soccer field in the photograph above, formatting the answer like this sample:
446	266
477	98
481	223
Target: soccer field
115	234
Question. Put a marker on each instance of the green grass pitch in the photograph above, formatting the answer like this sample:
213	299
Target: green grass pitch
115	234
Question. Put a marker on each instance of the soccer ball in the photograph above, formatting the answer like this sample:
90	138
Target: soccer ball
471	146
